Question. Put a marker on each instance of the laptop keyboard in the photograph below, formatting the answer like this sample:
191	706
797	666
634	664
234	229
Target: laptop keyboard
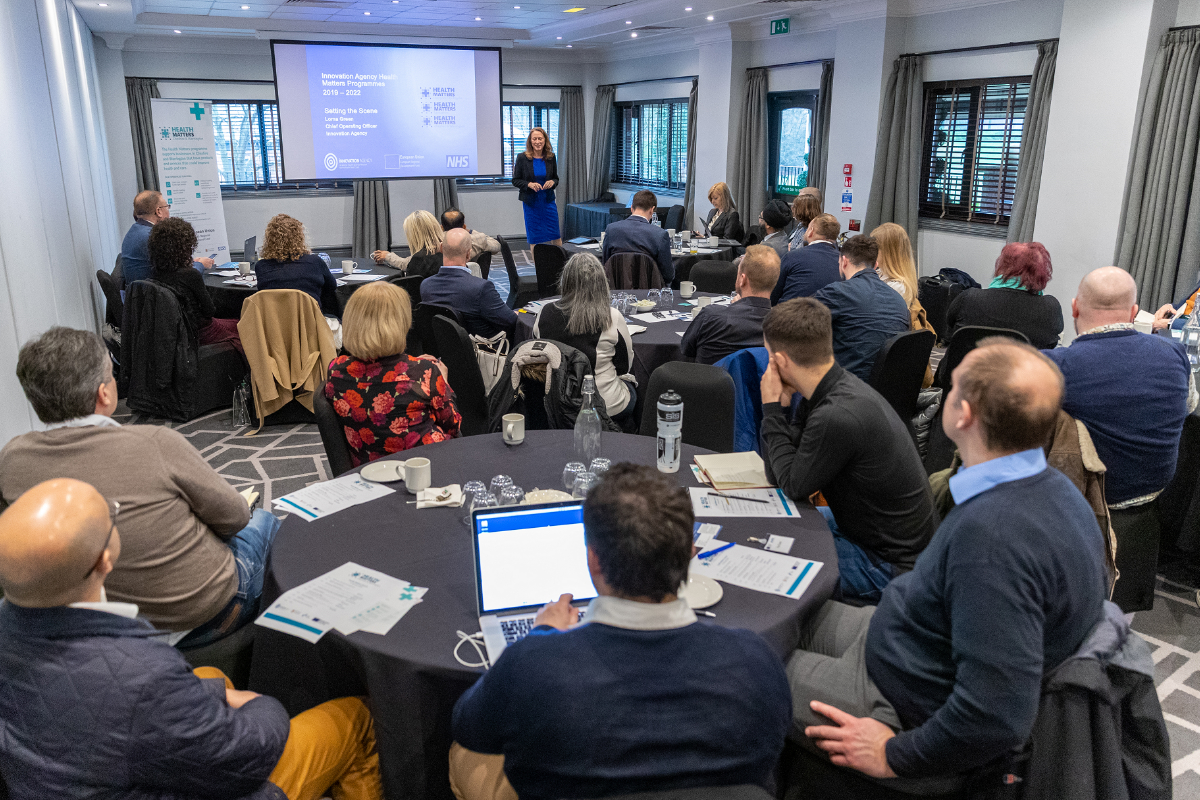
517	628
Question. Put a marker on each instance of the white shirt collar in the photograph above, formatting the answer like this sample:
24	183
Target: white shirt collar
632	615
91	420
456	266
127	610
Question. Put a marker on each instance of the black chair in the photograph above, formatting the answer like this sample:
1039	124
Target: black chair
521	290
707	394
632	271
410	284
962	342
332	435
548	262
484	260
114	311
231	654
674	219
754	235
1138	531
423	324
900	368
718	277
118	273
458	354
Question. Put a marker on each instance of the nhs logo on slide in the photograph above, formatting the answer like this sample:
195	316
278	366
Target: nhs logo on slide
458	162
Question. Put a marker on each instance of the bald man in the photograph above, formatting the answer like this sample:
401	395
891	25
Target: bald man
149	209
945	674
93	707
453	286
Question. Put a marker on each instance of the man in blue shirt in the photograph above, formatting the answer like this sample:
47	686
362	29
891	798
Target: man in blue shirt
945	674
866	311
637	235
804	271
453	286
149	209
642	697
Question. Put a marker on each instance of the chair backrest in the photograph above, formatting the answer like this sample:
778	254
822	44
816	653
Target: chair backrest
114	311
548	262
333	437
900	368
458	354
632	271
423	324
410	284
484	260
707	393
962	342
754	235
514	279
674	218
118	272
714	276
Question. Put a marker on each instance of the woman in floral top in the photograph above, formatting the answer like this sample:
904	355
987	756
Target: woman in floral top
388	401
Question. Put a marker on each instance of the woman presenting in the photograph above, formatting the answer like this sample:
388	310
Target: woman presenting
536	174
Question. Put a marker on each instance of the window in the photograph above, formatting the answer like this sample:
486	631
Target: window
790	120
972	148
517	120
649	143
249	154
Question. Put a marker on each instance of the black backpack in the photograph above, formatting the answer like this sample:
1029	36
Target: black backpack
936	293
543	380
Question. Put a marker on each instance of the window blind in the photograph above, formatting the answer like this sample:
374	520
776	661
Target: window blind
248	149
649	143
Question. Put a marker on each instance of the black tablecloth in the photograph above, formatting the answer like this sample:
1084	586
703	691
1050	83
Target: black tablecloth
587	219
228	297
410	674
727	251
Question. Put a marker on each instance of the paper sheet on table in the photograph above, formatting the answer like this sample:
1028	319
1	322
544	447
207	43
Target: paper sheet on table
734	470
226	273
249	280
636	329
703	533
708	251
758	570
707	503
360	277
323	499
380	618
716	301
593	246
661	316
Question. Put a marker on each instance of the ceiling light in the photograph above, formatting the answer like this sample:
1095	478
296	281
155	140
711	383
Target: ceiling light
573	10
709	18
570	45
628	22
516	6
366	13
689	8
634	34
104	5
557	37
478	19
179	31
245	8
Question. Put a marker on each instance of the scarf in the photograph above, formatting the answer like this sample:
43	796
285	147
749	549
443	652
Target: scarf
1000	282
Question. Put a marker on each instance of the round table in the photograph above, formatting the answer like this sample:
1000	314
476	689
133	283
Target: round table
410	674
727	250
228	297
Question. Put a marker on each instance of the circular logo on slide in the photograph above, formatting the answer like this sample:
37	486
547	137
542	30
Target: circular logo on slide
331	162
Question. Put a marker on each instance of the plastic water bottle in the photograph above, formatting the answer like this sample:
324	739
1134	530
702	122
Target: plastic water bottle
670	429
1191	338
587	424
654	217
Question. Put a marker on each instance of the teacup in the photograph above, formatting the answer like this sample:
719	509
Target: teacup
244	267
513	430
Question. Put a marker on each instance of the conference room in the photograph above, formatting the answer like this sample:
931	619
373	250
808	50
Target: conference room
803	392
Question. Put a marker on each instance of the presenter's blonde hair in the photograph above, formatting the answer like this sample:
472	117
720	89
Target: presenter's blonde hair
895	261
547	150
423	232
284	239
720	191
376	321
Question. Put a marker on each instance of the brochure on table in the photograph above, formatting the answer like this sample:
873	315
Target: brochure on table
329	497
707	502
756	569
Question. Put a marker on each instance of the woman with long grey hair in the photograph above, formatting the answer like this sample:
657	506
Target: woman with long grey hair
585	319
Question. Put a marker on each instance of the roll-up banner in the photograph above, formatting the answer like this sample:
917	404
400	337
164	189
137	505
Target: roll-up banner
187	171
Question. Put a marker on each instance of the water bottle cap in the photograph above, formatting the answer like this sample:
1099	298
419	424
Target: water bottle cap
670	397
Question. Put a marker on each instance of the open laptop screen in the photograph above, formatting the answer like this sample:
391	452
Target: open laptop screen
249	249
526	557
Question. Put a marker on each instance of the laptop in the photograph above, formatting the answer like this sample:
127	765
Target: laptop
250	250
526	557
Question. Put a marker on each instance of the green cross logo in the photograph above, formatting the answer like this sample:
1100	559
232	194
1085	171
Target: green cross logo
198	110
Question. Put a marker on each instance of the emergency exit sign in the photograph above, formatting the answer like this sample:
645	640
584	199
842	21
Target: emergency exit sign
780	25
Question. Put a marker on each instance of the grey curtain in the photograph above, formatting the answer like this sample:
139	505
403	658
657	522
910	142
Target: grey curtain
750	164
818	158
598	158
689	186
138	93
372	218
571	150
896	182
445	195
1159	242
1033	145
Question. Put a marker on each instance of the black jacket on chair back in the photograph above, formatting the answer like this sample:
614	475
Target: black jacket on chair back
158	352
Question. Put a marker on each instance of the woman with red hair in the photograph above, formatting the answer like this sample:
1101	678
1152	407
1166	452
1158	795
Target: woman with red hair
1014	298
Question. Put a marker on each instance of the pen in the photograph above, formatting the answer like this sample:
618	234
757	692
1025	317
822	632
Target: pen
739	497
720	549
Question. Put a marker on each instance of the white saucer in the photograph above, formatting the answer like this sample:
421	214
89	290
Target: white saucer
384	471
701	591
544	496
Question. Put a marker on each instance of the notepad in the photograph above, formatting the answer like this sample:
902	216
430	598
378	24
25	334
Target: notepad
734	470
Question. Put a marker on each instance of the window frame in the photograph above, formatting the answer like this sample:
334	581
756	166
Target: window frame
543	109
617	142
777	103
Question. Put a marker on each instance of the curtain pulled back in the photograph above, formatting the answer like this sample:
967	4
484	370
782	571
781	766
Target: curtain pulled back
138	93
818	161
1033	145
896	180
598	160
750	164
372	218
571	150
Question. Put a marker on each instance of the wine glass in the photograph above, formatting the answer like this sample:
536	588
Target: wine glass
571	471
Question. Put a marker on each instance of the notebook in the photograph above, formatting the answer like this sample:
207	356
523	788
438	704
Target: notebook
734	470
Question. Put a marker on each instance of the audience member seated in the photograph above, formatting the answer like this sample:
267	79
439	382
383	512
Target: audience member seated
287	263
480	241
898	269
723	220
453	286
866	312
1132	390
171	244
847	443
718	331
194	554
149	209
388	401
583	317
1175	316
807	270
635	234
94	707
1014	298
946	674
424	237
775	219
640	698
805	208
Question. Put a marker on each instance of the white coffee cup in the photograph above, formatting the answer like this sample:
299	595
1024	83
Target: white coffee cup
348	267
416	474
701	302
695	311
671	232
245	267
714	241
687	236
514	429
686	289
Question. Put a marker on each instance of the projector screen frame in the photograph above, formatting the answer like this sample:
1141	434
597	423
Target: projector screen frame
500	74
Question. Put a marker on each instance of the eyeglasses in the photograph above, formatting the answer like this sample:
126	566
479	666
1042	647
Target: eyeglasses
114	508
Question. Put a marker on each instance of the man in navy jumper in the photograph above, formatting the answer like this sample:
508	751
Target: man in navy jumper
945	674
642	697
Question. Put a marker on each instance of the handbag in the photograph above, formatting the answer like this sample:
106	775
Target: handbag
491	355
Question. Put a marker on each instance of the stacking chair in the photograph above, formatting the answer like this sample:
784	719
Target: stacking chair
707	393
1138	531
332	436
521	290
484	260
410	284
754	235
673	221
899	370
231	655
423	324
632	271
114	314
458	354
718	277
548	262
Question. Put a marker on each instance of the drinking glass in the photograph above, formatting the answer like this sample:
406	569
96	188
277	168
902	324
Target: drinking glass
599	466
570	471
584	483
511	496
470	489
498	483
655	297
668	296
484	499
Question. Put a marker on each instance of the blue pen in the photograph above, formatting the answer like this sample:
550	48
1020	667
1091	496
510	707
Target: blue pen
720	549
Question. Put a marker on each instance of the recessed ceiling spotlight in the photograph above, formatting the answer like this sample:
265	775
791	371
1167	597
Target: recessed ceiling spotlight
557	37
516	6
366	13
709	18
245	8
689	8
179	31
570	45
573	10
628	22
634	34
104	5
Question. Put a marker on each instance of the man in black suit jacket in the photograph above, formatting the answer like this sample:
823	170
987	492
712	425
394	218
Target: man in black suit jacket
807	270
637	235
453	286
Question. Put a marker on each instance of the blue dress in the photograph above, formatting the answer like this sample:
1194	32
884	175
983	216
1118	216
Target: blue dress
541	216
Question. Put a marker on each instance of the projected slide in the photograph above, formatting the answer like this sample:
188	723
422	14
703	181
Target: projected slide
379	111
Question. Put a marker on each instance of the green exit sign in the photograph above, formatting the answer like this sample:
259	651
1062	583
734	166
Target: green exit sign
780	25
